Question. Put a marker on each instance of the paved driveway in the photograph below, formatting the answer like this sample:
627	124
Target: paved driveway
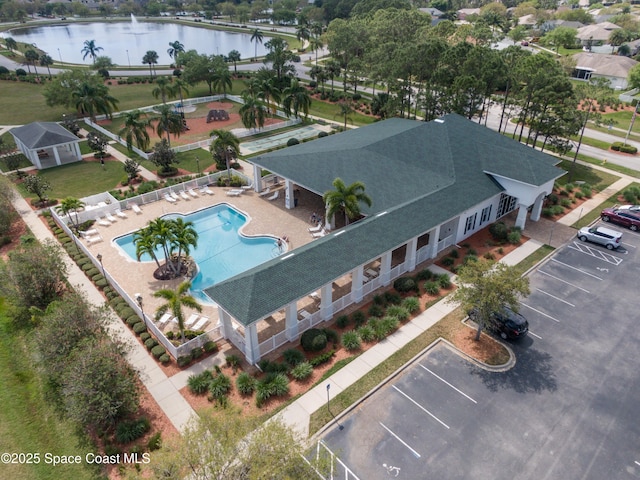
566	410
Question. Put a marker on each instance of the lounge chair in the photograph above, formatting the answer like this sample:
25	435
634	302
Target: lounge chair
201	323
111	218
193	193
371	273
235	192
184	195
174	195
273	197
164	319
192	320
303	313
135	208
265	192
206	190
103	222
315	296
316	228
92	240
88	233
169	198
120	213
319	234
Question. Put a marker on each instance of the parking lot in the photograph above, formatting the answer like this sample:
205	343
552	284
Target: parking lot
566	410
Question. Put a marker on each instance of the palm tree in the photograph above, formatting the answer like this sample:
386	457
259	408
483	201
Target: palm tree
145	241
163	88
333	70
168	121
175	49
345	111
253	112
303	33
31	56
175	301
91	99
316	44
151	58
135	127
226	143
184	236
221	80
11	44
68	206
46	61
180	87
345	199
296	99
90	49
256	36
234	56
269	91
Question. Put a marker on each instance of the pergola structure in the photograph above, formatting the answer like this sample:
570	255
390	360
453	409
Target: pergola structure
432	185
47	144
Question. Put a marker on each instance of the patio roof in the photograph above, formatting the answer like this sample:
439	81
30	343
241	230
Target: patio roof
418	174
38	135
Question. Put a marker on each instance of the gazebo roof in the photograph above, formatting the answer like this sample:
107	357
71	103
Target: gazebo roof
43	135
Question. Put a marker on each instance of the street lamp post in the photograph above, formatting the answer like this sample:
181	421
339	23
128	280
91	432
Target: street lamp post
128	59
99	257
198	164
139	300
60	55
340	427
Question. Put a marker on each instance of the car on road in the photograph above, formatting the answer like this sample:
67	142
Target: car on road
601	235
506	323
625	217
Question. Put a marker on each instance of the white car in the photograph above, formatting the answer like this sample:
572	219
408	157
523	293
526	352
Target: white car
601	235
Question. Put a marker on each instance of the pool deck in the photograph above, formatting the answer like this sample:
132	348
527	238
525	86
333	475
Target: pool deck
264	218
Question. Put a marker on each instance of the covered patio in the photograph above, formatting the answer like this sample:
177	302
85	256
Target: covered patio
47	144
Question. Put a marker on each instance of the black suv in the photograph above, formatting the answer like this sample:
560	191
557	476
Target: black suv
506	323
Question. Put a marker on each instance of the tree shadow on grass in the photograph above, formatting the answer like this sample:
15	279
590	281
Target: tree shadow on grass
533	372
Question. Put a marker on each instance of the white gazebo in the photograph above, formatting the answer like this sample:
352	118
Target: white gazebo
47	144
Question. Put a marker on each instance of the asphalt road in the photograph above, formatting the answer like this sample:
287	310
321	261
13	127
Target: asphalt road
566	410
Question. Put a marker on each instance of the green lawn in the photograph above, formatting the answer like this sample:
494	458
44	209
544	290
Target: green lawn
621	119
29	423
597	179
331	111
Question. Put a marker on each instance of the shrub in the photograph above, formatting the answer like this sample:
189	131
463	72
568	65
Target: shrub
164	358
569	187
139	328
547	212
92	271
411	304
498	231
351	341
389	323
245	383
578	195
145	336
447	261
184	360
276	367
21	72
566	202
272	385
425	274
130	430
219	386
471	258
158	351
302	371
472	251
323	134
405	284
199	383
150	343
489	256
232	361
431	287
197	352
379	329
514	237
453	253
133	320
586	190
379	300
322	358
444	281
342	321
332	335
293	356
399	312
392	298
358	318
366	333
210	346
313	340
628	149
155	442
292	141
263	364
376	310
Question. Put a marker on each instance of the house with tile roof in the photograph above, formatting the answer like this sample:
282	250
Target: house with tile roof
614	68
47	144
432	185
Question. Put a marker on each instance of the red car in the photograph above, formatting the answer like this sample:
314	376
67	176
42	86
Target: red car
625	217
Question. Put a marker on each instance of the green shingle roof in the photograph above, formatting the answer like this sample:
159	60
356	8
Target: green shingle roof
418	175
43	135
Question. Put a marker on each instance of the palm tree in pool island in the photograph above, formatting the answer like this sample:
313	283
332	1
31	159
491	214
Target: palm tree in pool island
225	145
345	198
90	49
175	301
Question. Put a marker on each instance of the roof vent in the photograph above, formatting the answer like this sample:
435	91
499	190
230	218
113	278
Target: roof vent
439	120
287	256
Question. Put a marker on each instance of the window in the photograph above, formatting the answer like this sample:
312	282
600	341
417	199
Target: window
485	215
471	223
507	204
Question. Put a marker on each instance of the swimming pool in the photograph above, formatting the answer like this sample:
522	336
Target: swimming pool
222	251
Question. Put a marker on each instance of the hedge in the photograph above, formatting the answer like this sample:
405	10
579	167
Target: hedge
139	328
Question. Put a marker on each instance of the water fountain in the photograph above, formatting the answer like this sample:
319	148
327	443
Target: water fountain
134	21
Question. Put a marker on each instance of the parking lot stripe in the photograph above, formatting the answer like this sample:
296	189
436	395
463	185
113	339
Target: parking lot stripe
557	298
417	455
537	336
574	268
563	281
447	383
538	311
421	407
637	463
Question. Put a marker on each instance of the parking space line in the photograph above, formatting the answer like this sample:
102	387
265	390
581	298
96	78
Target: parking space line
629	245
637	463
595	253
421	407
538	311
537	336
575	268
447	383
563	281
557	298
416	454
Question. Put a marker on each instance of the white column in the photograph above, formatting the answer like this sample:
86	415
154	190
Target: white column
537	208
433	242
76	148
226	325
251	346
288	194
410	255
356	284
385	268
521	219
55	154
291	321
257	178
326	301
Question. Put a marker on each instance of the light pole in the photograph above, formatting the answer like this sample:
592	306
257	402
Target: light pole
99	257
198	164
128	59
139	300
60	55
340	427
